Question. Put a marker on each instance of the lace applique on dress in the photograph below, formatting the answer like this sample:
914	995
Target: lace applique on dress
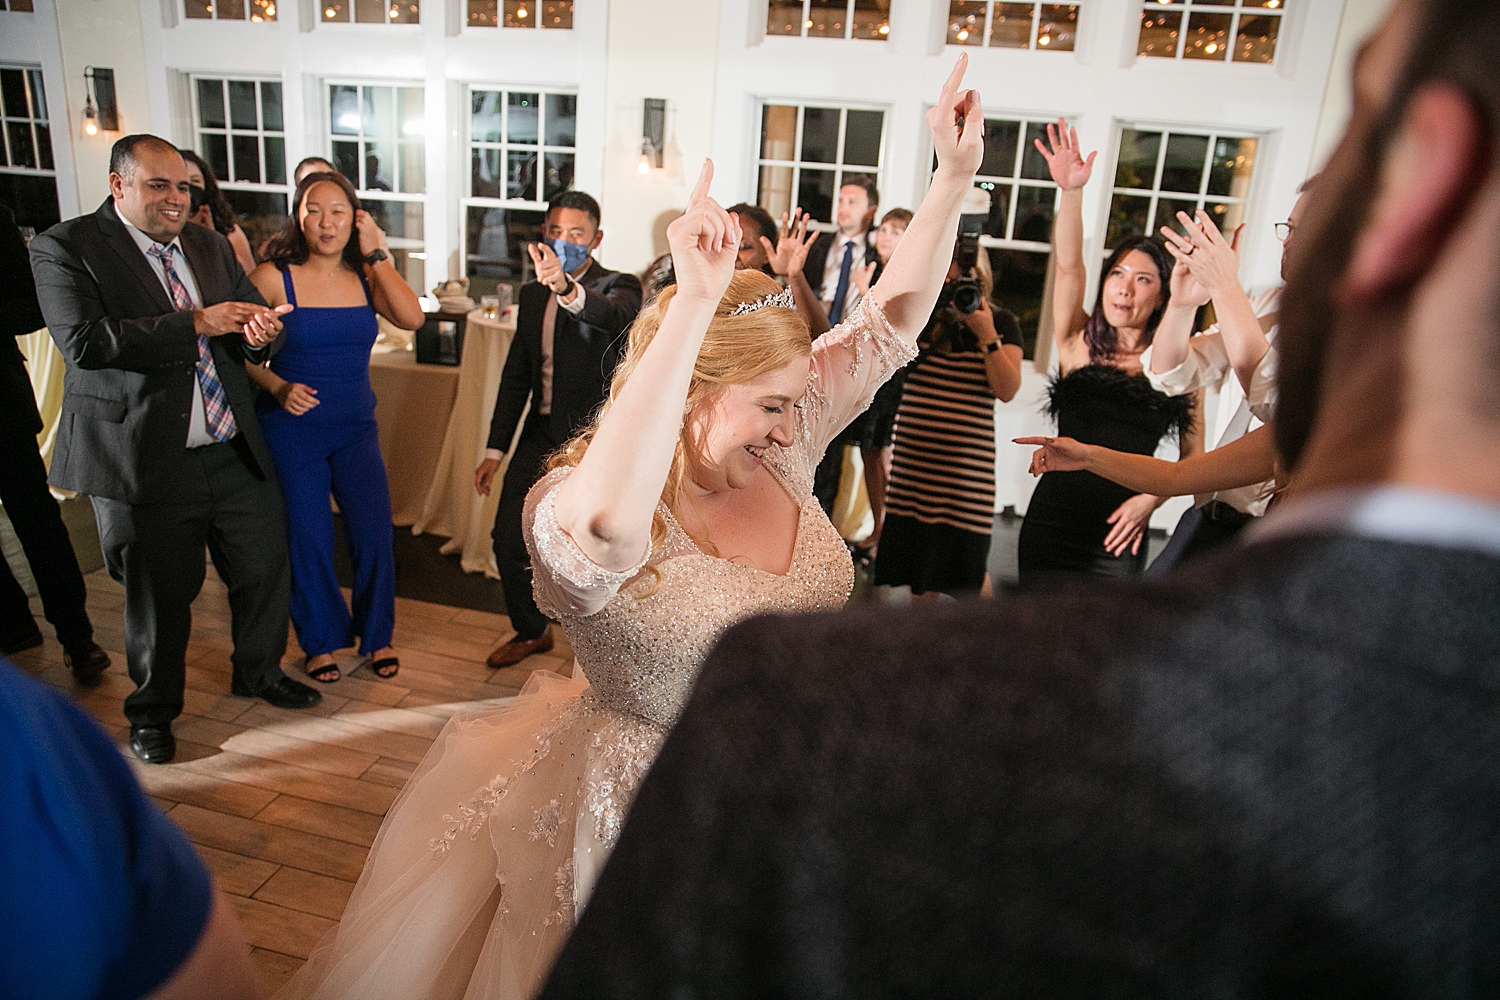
563	914
548	822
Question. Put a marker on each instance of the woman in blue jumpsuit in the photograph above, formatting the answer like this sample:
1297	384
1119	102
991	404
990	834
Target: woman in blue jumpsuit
318	417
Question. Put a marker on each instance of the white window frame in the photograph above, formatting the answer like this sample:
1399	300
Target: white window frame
1024	119
1033	43
1186	9
31	74
385	9
532	23
1155	193
838	167
848	35
469	199
269	13
260	133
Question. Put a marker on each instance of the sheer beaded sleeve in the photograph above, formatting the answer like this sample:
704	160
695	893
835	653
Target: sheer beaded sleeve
565	581
849	363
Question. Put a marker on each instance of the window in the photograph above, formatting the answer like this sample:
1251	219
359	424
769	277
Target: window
18	5
377	140
1202	29
230	10
830	18
806	152
28	180
1160	172
242	136
521	13
1023	201
371	11
521	149
1049	26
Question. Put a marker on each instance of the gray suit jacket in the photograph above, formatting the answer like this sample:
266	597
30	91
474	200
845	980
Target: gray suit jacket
1275	773
130	356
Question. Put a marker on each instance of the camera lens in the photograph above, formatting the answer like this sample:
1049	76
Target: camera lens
966	297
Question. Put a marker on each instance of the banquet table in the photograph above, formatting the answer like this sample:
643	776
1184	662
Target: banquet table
451	506
412	406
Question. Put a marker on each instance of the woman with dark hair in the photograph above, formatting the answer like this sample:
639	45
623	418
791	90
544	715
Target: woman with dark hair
1078	522
331	262
211	208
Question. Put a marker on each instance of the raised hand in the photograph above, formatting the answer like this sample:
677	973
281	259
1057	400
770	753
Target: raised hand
1187	290
1055	454
957	124
863	276
549	270
1069	169
792	243
371	237
704	241
1203	250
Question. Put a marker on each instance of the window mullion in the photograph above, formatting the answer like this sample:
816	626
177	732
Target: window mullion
1036	20
1182	31
989	14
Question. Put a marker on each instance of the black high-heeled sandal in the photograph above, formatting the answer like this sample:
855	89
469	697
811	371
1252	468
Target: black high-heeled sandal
326	674
386	667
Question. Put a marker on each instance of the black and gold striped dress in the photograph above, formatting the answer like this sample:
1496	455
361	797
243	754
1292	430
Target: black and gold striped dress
940	505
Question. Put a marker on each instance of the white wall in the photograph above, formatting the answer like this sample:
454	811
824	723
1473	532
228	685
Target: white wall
1359	21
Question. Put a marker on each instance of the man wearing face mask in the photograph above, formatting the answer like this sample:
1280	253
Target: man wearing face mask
570	329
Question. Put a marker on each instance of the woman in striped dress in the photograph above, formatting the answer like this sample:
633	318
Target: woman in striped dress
940	505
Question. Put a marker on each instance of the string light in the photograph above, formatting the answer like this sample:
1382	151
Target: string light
521	13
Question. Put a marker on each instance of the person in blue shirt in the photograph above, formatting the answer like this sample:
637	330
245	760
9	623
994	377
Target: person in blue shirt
101	896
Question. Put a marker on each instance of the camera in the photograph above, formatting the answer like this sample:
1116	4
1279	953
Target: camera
963	294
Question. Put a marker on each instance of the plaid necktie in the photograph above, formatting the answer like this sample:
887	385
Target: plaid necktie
216	411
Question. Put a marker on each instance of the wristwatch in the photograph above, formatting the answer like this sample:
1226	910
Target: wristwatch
376	256
991	347
569	290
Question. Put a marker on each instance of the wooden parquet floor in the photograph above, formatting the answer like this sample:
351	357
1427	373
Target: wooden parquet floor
283	806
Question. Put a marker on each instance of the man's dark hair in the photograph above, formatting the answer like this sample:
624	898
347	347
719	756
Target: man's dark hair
313	159
122	155
867	183
757	215
578	201
289	246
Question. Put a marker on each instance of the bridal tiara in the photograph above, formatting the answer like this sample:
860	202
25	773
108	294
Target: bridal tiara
782	298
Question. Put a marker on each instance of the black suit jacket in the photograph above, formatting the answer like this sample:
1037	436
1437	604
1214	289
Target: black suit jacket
130	356
1274	774
585	349
817	259
19	315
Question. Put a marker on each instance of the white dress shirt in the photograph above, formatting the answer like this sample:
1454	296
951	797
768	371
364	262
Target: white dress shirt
1207	367
832	266
1391	513
198	434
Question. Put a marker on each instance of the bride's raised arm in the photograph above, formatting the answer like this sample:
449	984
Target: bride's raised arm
908	287
606	504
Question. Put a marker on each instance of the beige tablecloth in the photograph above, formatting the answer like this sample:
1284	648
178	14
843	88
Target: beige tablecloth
45	364
412	406
452	507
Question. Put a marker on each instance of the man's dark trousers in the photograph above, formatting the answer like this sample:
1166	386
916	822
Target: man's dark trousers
156	551
514	562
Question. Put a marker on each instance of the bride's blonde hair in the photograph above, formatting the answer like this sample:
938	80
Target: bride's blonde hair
736	349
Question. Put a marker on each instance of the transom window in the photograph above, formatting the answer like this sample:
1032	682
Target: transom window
522	146
28	178
377	139
556	14
17	5
806	152
242	135
370	11
830	18
1049	26
1160	172
230	10
1204	29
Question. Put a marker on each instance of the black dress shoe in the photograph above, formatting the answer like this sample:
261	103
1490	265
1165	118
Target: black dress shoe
153	744
285	693
87	661
23	640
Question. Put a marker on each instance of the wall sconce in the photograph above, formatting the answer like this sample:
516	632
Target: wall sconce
653	134
100	111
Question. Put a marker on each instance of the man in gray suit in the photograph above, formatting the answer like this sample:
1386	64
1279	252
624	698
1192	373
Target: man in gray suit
1274	773
155	320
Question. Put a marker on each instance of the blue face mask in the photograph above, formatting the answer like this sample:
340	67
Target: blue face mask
571	254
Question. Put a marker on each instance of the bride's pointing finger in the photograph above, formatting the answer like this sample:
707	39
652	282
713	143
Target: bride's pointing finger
705	178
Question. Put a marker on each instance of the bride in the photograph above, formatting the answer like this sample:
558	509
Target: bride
686	507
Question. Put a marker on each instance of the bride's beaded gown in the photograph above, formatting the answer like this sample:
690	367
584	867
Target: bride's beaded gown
478	872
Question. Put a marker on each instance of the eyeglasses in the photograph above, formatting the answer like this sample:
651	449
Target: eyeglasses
1284	230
